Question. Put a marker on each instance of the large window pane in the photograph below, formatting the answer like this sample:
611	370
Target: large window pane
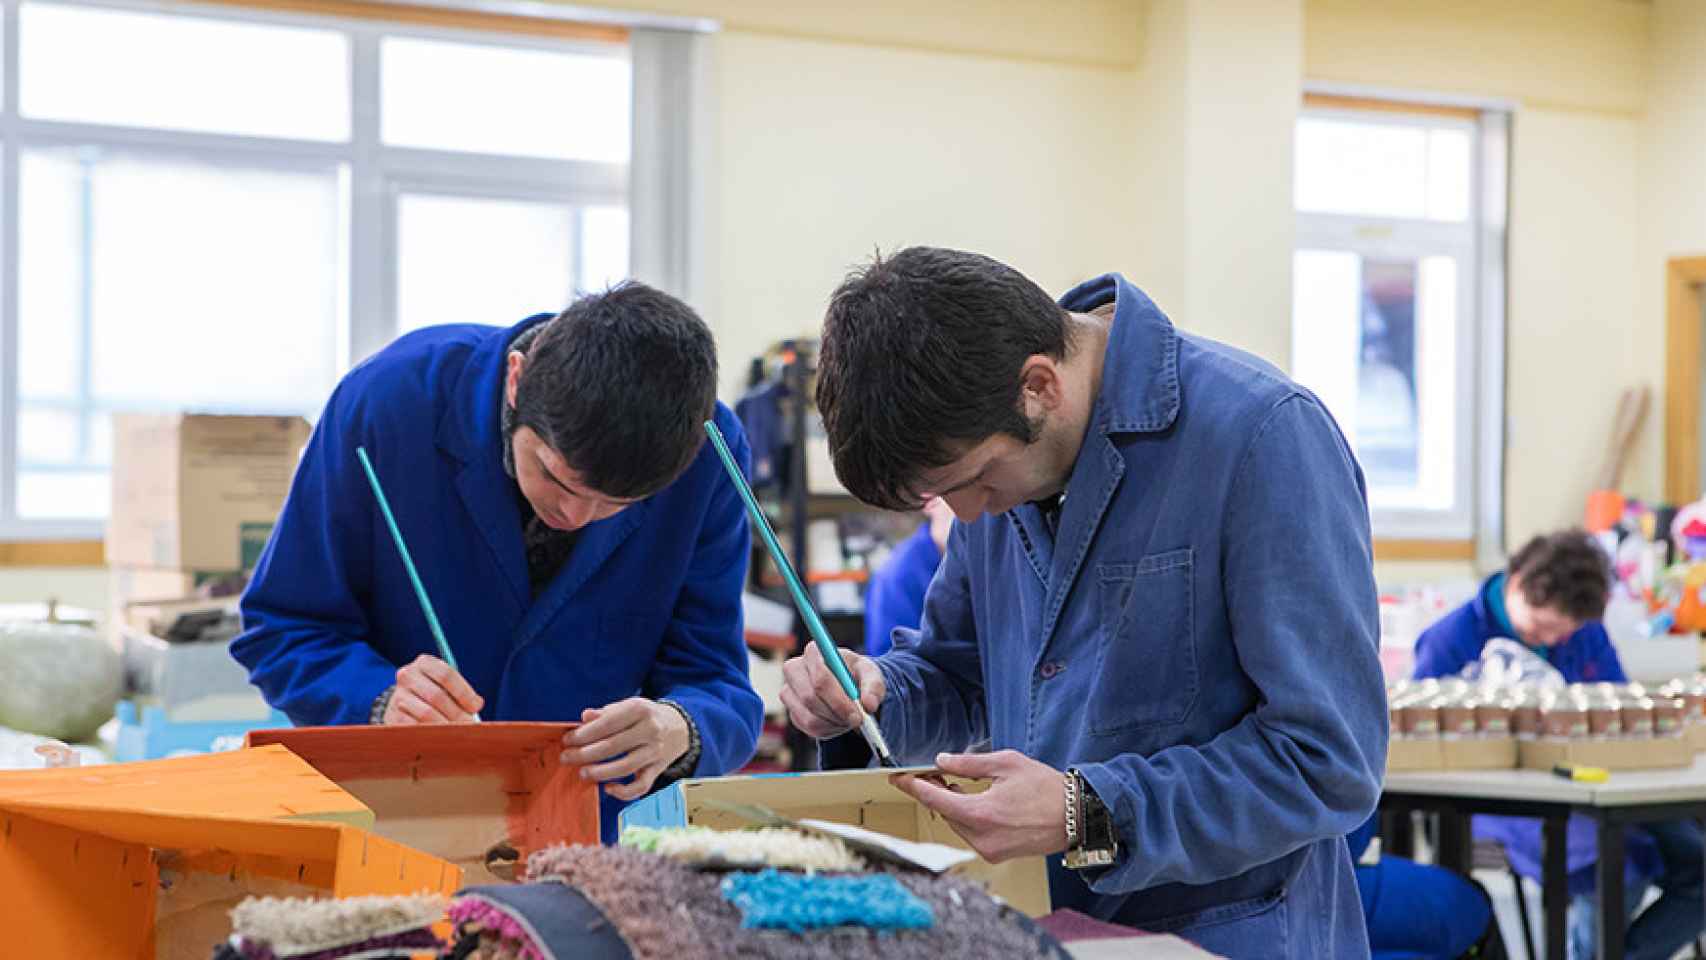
477	260
1367	168
480	98
200	286
604	248
1376	340
182	73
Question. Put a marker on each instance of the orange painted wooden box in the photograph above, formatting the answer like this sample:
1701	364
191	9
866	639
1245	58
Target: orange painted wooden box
482	795
139	861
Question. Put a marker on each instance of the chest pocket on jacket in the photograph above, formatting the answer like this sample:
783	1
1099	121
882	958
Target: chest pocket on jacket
1147	674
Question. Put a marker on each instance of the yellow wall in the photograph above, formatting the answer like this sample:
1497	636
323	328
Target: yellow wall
1101	32
1583	54
827	150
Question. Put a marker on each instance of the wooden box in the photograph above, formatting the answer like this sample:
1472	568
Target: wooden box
143	861
477	794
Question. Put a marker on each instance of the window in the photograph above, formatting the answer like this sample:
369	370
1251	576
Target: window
1399	257
178	244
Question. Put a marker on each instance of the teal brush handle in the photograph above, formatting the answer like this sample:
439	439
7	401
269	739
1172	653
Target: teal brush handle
831	653
408	562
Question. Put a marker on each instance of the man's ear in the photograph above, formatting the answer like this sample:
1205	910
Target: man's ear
512	376
1042	388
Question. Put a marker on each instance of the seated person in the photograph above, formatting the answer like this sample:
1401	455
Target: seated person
1551	598
896	596
1416	911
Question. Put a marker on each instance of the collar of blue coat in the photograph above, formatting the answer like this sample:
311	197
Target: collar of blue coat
470	428
1140	376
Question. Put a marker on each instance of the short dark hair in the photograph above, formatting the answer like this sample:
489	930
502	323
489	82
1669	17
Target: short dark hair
1565	571
620	384
921	360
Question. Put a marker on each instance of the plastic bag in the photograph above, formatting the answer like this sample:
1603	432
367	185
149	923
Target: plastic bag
58	680
1507	663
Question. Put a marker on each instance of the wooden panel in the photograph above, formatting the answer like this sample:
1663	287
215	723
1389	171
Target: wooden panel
52	553
437	17
1390	550
65	880
263	784
1684	278
1328	101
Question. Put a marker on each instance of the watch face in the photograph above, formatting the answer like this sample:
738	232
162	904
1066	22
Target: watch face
1082	859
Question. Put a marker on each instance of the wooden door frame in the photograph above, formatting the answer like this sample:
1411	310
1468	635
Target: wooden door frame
1685	310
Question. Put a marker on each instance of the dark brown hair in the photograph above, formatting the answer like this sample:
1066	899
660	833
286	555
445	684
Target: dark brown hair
921	361
1565	571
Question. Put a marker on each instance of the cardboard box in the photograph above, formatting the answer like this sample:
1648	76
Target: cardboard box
1403	755
143	860
1695	734
863	798
458	791
1489	754
1611	754
197	491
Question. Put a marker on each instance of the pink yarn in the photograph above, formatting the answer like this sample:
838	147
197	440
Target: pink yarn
491	918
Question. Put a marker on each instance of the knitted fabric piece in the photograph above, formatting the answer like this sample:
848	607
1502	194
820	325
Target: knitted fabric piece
792	901
293	927
399	945
667	910
768	847
477	915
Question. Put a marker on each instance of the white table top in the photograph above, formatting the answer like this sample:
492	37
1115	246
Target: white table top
1624	788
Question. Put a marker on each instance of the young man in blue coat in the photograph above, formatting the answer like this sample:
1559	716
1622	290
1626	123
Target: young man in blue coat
1551	597
896	595
1159	606
582	547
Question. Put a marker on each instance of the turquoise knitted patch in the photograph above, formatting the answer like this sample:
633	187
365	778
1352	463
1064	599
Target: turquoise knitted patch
773	900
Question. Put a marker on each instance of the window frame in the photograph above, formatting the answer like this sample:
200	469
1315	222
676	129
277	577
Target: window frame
1473	526
376	175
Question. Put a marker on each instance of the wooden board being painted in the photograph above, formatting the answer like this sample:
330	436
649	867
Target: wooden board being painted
142	861
458	791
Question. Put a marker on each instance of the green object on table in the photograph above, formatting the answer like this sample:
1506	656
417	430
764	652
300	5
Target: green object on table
814	623
408	562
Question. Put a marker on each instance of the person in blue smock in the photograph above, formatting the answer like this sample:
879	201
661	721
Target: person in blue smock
1551	596
1158	607
1416	911
896	595
582	547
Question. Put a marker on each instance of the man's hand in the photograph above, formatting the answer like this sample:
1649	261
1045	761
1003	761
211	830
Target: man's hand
429	691
1023	813
815	701
633	736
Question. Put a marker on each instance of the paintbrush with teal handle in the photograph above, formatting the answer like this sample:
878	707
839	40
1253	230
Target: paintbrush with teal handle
408	563
814	623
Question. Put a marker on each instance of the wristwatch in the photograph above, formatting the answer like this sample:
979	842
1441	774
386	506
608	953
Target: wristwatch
1091	840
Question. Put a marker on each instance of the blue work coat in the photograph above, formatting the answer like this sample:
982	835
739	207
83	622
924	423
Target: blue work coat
1200	640
1416	911
1587	656
896	596
647	603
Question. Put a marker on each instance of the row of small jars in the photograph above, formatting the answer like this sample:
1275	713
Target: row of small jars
1451	709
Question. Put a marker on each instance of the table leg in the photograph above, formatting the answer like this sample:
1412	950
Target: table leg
1455	845
1554	886
1610	877
1398	833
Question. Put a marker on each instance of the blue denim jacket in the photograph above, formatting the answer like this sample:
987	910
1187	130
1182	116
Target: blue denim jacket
1200	640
